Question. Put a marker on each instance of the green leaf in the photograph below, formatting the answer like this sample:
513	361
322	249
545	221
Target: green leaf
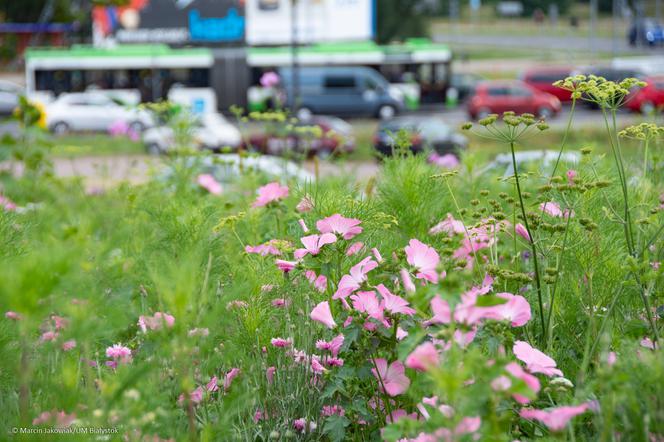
335	427
489	301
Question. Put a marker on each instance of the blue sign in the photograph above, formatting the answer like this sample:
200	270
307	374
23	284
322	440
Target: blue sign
228	28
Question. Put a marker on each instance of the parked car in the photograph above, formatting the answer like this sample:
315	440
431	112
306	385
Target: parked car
336	137
648	99
341	91
543	78
209	131
9	93
501	96
646	31
426	133
92	111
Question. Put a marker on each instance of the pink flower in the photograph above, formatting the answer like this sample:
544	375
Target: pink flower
424	258
571	176
367	302
155	322
358	274
333	346
648	343
531	381
313	243
117	128
119	353
285	266
321	313
269	79
228	379
279	302
401	334
60	322
207	182
407	281
301	425
305	205
316	366
48	336
320	283
553	209
449	225
346	227
354	248
377	254
196	396
68	345
62	419
501	383
7	204
520	230
535	360
611	358
468	425
270	193
393	303
212	386
392	378
281	342
13	316
330	410
516	310
441	312
304	227
269	373
263	249
423	357
556	419
447	161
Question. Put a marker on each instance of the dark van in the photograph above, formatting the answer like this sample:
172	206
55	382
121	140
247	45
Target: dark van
342	91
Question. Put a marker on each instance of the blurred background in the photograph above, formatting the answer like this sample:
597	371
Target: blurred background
357	71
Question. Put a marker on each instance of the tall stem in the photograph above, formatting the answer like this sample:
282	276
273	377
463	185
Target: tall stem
532	245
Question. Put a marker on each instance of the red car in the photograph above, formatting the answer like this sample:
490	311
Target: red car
496	97
650	98
542	79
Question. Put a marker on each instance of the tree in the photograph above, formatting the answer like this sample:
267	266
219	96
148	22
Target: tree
399	19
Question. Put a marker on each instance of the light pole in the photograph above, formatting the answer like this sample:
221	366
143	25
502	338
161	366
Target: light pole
295	78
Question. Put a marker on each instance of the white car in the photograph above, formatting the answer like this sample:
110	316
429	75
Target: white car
93	111
209	131
9	93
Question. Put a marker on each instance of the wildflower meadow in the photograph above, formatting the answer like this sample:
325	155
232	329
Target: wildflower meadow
432	302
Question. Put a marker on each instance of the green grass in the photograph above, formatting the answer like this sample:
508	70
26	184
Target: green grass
76	145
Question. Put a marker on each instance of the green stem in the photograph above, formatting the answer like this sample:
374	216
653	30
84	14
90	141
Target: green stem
532	245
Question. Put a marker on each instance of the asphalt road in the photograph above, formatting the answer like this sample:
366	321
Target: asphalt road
548	42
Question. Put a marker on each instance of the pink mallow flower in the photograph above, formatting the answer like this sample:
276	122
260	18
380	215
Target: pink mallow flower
285	266
571	176
442	314
7	204
447	161
270	193
321	313
391	379
535	360
305	205
449	225
346	227
553	209
393	303
228	379
531	381
520	230
424	356
358	274
207	182
313	244
269	79
13	316
263	249
354	248
156	321
424	258
556	419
